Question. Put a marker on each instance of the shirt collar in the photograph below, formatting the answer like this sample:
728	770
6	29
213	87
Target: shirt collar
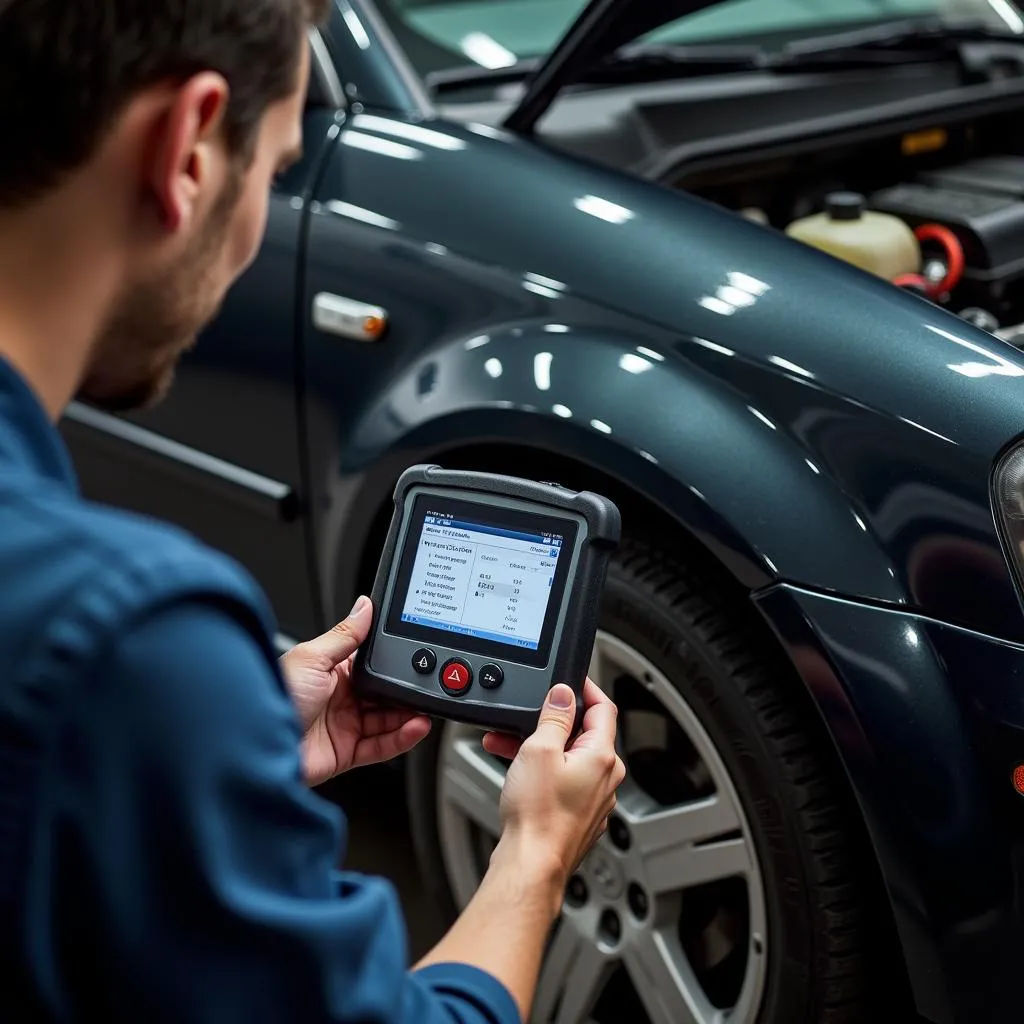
27	437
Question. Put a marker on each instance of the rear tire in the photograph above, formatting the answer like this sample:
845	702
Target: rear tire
710	648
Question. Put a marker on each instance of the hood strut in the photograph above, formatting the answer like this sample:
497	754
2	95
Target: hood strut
574	51
602	28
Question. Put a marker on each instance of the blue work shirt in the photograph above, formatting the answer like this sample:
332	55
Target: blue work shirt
161	858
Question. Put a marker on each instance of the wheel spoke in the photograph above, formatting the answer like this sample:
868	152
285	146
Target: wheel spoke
690	844
574	973
699	865
665	982
665	850
695	822
473	782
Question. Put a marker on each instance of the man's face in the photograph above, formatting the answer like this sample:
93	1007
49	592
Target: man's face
162	310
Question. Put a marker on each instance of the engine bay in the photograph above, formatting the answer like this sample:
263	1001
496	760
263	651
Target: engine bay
939	211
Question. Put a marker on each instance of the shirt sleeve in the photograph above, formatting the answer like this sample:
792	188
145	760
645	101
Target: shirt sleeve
183	871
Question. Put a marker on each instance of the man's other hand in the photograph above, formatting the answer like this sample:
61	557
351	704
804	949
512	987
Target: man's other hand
340	730
559	794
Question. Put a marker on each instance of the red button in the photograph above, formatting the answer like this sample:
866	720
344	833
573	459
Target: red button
456	676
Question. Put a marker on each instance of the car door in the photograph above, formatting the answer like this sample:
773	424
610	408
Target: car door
221	456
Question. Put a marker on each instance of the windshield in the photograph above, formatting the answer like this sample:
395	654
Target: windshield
489	34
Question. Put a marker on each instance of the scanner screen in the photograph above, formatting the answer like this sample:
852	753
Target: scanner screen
482	580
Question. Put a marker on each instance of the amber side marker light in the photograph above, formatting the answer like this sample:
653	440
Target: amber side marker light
374	326
1018	779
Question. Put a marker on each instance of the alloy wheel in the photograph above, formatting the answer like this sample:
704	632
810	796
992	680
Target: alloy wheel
666	916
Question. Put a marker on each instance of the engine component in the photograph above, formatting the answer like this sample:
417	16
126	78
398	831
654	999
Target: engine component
996	175
916	283
943	275
989	228
874	241
980	318
1014	334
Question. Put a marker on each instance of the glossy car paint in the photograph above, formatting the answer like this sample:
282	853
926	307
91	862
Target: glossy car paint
779	377
930	719
808	425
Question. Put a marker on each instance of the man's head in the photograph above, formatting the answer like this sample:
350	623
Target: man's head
173	117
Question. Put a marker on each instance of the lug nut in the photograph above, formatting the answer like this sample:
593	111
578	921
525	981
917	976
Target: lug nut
610	927
576	891
637	901
618	833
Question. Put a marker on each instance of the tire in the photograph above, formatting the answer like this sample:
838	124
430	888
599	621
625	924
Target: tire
812	897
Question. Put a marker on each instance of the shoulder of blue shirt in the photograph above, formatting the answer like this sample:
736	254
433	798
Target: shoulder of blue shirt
148	579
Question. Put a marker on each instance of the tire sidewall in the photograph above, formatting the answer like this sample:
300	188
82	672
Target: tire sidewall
695	671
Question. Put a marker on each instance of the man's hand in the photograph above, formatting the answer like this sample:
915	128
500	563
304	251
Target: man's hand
558	795
554	806
340	730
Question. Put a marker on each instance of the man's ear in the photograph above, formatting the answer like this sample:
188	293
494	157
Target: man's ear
187	148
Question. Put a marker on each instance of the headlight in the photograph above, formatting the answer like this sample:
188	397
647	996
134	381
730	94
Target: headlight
1008	502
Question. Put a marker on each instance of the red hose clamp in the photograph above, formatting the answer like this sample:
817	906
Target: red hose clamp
954	256
914	283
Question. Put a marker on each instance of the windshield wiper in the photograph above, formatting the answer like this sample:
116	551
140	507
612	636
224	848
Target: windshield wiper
665	60
889	44
451	79
900	42
630	64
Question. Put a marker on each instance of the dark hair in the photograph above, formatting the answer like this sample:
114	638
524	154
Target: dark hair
69	67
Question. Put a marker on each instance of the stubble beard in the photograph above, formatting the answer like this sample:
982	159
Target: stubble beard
156	321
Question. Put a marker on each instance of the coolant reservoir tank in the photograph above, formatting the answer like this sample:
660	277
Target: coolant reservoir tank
876	242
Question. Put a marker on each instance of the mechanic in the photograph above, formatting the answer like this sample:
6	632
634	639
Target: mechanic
162	857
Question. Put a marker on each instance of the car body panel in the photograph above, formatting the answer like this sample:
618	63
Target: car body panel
929	743
752	357
373	70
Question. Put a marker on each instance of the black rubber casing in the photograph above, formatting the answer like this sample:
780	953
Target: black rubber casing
571	650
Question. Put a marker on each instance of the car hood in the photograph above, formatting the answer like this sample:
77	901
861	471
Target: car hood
683	332
710	278
602	28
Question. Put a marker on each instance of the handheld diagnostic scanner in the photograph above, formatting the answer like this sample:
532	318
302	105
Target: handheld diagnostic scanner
487	594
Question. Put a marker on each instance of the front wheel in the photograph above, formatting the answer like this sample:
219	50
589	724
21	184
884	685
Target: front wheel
725	888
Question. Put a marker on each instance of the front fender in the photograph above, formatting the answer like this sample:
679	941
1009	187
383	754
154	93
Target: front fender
928	719
896	404
768	494
626	404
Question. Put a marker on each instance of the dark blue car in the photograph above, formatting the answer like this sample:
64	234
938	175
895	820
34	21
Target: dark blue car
547	238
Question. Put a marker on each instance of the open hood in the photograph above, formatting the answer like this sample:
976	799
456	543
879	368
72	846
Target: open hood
602	29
